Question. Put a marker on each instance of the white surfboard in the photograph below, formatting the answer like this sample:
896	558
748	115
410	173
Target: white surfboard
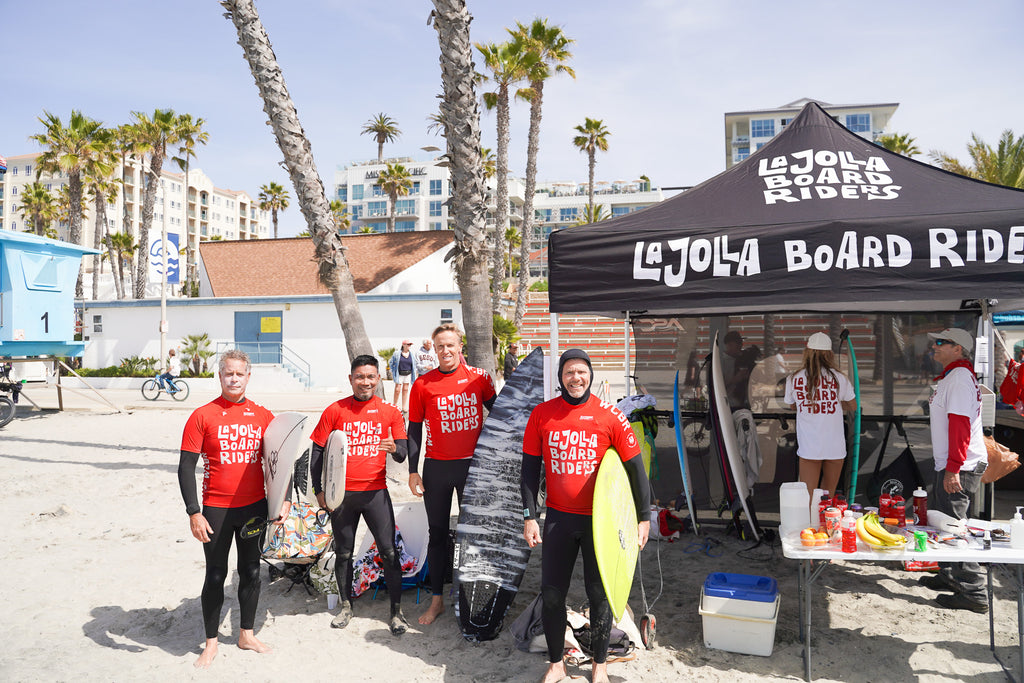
335	460
283	443
732	449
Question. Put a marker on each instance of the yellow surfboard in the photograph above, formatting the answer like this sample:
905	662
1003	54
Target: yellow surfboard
615	533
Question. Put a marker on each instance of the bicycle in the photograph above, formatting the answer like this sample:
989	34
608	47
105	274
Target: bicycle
8	386
152	388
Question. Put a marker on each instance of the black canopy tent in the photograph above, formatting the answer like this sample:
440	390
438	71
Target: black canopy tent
818	221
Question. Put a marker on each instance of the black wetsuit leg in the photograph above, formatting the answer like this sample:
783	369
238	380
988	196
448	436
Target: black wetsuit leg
441	478
375	508
565	535
227	524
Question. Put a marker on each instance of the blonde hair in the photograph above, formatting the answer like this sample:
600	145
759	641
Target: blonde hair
447	327
816	363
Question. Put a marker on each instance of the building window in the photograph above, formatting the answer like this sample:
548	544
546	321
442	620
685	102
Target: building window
28	169
376	208
859	123
446	315
356	212
759	145
619	211
357	193
415	187
14	171
378	227
435	226
405	207
542	215
435	187
785	122
405	226
435	207
343	193
568	215
742	153
14	191
762	128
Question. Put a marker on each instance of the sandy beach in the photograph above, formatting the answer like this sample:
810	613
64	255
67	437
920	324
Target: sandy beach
103	581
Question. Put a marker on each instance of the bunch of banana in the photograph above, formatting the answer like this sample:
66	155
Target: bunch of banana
871	531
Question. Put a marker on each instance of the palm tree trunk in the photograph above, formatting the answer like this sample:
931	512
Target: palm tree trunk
461	115
273	214
115	265
532	145
156	163
298	156
500	201
101	221
75	193
592	161
392	201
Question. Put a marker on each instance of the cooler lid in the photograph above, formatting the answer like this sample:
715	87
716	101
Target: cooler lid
741	587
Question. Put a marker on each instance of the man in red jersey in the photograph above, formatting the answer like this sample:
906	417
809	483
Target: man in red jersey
569	436
228	434
445	418
374	429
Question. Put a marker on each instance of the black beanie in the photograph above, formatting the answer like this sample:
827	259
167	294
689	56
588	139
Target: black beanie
573	354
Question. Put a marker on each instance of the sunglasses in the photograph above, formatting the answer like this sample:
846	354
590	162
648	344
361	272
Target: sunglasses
940	342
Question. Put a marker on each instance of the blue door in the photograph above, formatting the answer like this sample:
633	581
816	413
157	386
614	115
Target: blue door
259	333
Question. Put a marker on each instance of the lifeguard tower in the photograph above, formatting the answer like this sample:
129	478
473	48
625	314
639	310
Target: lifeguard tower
37	299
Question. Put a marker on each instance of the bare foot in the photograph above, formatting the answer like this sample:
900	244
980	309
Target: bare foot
600	673
247	641
435	610
207	655
556	672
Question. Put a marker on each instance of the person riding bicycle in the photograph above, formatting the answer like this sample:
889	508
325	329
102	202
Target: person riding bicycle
173	369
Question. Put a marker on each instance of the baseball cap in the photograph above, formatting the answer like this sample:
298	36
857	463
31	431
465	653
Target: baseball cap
955	335
819	341
406	341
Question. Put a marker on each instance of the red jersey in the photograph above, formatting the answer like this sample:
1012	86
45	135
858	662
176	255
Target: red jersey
573	440
365	423
451	410
229	436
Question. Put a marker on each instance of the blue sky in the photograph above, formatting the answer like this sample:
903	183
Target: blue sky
659	73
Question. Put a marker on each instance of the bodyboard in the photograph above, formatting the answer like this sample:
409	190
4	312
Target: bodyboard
615	531
283	442
335	461
490	552
727	434
681	449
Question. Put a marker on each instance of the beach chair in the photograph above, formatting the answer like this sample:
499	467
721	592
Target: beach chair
411	523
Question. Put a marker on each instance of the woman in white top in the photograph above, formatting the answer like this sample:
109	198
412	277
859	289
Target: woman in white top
820	393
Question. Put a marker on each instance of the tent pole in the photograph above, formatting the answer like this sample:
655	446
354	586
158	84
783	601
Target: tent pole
553	359
625	353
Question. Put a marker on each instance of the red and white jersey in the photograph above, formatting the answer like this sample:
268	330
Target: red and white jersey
819	422
366	424
573	440
957	393
229	436
451	408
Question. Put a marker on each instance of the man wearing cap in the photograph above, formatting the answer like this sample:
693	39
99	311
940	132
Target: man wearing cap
960	460
568	436
426	359
403	372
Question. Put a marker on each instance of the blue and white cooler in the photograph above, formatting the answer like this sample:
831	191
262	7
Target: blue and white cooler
739	612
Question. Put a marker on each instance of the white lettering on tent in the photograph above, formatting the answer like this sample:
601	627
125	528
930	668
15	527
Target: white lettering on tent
673	260
825	174
948	248
895	253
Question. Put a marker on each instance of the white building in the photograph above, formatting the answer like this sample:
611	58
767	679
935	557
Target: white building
210	212
748	131
556	204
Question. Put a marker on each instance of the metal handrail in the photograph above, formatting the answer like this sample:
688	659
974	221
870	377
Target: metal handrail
289	358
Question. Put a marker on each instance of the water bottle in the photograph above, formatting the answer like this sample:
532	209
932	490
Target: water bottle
1017	531
921	506
849	532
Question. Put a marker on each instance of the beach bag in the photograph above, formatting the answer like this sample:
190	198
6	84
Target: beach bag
1001	461
1011	391
301	539
903	470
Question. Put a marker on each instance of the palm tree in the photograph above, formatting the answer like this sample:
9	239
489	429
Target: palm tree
1001	166
101	187
383	128
191	133
901	143
339	213
68	150
592	213
551	50
154	134
124	246
396	182
38	207
592	136
461	115
435	124
125	138
333	267
366	230
273	198
487	159
513	238
508	65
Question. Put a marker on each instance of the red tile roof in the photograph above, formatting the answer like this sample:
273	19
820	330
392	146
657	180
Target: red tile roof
285	267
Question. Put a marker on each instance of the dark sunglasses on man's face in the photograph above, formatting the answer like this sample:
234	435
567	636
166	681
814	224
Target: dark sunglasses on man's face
940	342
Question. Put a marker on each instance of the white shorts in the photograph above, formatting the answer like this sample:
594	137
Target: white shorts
404	379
